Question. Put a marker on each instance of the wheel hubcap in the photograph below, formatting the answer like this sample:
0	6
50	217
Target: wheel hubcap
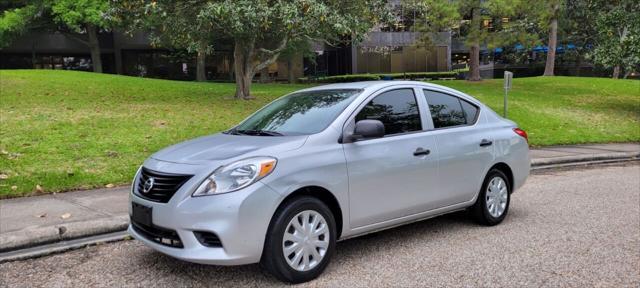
497	195
305	240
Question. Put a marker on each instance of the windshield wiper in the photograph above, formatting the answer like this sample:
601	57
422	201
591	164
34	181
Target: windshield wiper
231	132
256	132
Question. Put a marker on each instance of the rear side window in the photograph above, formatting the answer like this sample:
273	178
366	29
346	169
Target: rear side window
448	111
396	109
470	111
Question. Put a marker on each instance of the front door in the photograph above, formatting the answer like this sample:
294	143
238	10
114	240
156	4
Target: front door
386	179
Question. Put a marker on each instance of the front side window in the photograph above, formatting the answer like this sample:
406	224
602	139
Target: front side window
449	111
396	109
300	113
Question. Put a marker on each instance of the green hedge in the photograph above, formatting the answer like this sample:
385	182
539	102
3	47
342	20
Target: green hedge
379	76
348	78
419	75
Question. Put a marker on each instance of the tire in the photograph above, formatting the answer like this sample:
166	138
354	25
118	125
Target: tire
273	257
480	211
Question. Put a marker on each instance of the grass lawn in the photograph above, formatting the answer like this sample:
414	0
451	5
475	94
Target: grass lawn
66	130
565	110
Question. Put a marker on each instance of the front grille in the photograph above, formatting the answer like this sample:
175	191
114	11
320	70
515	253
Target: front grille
157	234
164	186
208	239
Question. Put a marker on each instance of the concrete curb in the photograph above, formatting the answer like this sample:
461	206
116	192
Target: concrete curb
578	159
34	236
62	246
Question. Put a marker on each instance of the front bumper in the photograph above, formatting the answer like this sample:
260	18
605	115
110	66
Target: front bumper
240	220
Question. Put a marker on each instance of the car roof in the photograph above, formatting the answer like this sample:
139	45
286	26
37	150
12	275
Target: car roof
376	85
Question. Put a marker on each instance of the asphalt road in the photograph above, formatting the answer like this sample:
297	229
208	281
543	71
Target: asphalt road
565	228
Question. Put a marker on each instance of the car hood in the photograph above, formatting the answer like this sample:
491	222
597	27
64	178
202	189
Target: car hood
224	146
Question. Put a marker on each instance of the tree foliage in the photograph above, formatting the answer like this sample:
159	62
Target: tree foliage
78	14
173	24
14	22
262	29
467	19
548	14
297	48
572	28
618	36
85	18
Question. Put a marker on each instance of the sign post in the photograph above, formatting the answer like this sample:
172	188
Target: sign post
508	76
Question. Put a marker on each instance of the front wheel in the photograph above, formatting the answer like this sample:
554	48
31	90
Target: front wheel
300	241
492	204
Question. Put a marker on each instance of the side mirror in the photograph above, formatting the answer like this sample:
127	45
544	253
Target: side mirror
367	129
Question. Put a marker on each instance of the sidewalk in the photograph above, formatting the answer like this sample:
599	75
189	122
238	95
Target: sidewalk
44	219
553	155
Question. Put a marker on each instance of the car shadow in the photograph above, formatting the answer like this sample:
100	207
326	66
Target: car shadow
368	246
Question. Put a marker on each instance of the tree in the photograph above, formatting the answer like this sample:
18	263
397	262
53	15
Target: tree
14	21
85	17
618	36
431	16
474	39
171	23
494	23
82	17
478	21
550	16
262	29
574	31
297	48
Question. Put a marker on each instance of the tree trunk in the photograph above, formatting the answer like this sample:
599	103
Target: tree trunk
616	72
474	52
117	53
553	43
290	77
200	62
617	68
247	59
243	68
474	63
94	46
264	75
232	69
578	65
33	55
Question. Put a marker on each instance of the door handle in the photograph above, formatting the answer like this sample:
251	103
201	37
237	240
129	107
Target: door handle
421	151
485	142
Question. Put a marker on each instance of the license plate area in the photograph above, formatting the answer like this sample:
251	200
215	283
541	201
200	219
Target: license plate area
141	214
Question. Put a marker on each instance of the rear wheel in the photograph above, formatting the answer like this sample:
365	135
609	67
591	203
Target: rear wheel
300	241
492	204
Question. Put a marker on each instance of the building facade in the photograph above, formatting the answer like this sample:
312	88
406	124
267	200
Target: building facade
382	51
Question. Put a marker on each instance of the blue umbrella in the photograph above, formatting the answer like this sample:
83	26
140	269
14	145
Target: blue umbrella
541	48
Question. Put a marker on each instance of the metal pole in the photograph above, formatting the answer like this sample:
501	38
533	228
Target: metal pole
508	76
505	102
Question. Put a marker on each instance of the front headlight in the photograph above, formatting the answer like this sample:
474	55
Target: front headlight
236	176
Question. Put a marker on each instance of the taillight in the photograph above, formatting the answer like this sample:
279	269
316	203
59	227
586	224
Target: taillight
522	133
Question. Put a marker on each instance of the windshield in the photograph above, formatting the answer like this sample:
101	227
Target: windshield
300	113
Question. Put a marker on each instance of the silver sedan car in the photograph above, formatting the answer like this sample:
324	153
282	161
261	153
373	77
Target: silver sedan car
325	164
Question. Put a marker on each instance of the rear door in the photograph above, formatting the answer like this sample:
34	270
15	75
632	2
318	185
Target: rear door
465	145
386	179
